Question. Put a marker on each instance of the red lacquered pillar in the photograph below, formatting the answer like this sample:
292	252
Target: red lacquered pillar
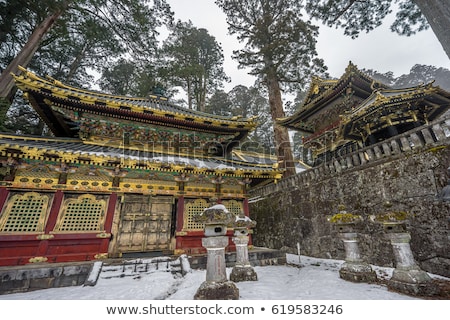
50	224
110	211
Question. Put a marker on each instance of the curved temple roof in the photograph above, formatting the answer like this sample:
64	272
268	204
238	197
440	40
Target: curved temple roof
323	92
355	95
258	167
47	94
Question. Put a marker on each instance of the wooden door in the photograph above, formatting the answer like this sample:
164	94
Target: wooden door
145	224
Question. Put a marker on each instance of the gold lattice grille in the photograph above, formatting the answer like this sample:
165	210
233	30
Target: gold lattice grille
192	208
25	213
235	207
85	213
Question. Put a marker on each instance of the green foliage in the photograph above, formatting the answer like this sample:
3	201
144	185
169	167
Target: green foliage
345	217
89	35
280	49
357	16
219	103
194	61
246	102
419	74
118	78
277	40
22	119
391	216
409	19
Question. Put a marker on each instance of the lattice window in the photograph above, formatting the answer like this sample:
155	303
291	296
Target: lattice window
25	213
85	213
193	208
234	206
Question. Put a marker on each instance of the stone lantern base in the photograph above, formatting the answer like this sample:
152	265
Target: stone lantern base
407	277
414	282
217	291
357	272
243	273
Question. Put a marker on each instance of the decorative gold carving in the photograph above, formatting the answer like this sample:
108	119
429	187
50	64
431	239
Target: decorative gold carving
234	206
103	235
45	237
25	213
85	213
38	259
179	251
192	208
181	233
101	256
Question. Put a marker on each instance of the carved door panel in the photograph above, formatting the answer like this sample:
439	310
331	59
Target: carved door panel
145	224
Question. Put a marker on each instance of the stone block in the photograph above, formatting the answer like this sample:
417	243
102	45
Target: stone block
77	269
239	274
69	281
14	286
217	291
41	283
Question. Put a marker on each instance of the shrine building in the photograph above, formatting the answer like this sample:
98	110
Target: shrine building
119	177
339	116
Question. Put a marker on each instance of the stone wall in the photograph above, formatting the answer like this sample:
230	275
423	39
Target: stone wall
43	276
408	171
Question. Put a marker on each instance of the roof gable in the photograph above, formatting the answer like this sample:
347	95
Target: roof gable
323	93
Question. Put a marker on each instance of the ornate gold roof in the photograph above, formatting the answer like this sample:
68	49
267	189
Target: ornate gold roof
48	96
258	167
398	107
324	94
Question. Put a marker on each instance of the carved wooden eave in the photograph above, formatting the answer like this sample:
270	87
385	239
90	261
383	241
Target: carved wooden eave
323	94
396	107
28	151
64	108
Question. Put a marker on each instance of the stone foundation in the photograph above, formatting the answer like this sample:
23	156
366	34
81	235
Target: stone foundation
412	282
243	273
36	277
217	291
358	273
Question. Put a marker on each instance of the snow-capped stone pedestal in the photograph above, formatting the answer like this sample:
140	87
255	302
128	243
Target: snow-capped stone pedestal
242	271
216	286
354	268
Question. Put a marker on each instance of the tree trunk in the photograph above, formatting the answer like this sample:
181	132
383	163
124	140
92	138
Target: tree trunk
25	55
203	94
281	135
7	87
437	13
76	63
189	93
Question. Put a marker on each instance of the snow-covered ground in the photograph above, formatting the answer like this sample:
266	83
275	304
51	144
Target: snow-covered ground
315	279
305	287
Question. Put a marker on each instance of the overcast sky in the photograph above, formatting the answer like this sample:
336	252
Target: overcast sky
380	49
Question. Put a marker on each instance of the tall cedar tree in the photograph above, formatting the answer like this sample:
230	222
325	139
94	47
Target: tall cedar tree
245	102
412	16
279	49
133	25
195	62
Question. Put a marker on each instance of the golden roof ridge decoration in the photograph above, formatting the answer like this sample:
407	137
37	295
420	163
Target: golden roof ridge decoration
306	104
380	96
46	153
90	97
